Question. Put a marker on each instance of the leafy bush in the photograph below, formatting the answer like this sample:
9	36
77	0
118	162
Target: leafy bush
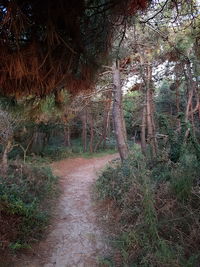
24	195
155	210
57	152
184	176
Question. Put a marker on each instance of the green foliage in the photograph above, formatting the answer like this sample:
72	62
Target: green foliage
175	140
24	195
184	174
16	246
116	180
165	101
55	152
158	209
132	111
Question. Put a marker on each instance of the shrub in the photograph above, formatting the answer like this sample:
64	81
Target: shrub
158	210
185	175
55	152
23	193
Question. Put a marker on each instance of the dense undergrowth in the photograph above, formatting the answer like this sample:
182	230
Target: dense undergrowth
58	153
56	150
153	209
26	192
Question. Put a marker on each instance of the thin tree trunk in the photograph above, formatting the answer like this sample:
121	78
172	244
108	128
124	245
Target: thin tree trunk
193	124
124	126
105	122
152	114
5	156
117	113
178	108
150	111
91	134
149	122
109	127
190	91
107	133
38	142
199	112
107	118
67	137
146	74
143	130
84	130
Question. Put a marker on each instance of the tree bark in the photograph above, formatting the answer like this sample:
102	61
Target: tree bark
5	156
84	129
143	130
150	111
106	122
91	134
190	92
124	126
67	137
117	113
106	125
178	109
106	117
146	74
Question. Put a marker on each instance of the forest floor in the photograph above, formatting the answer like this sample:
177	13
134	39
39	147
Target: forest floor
75	238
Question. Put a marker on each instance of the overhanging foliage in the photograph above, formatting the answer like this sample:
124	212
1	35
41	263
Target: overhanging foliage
50	44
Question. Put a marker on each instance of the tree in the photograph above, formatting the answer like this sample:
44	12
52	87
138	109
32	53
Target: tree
119	125
6	137
64	48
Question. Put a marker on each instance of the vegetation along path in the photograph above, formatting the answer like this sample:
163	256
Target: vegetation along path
75	238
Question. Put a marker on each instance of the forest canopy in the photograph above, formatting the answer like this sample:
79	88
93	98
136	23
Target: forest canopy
51	44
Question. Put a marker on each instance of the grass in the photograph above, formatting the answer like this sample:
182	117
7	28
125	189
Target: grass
152	211
98	154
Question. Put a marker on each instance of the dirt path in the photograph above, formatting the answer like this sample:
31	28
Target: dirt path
75	240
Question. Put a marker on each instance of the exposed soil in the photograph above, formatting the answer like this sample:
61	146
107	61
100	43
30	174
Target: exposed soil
75	239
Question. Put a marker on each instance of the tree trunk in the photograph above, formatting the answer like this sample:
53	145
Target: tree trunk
5	156
124	126
146	74
84	129
143	130
106	117
38	141
117	113
106	125
109	127
106	122
199	112
67	137
150	112
178	109
190	91
91	134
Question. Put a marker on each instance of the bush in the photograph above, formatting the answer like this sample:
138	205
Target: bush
55	152
158	214
24	195
185	175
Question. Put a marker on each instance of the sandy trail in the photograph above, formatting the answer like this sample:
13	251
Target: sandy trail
75	239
